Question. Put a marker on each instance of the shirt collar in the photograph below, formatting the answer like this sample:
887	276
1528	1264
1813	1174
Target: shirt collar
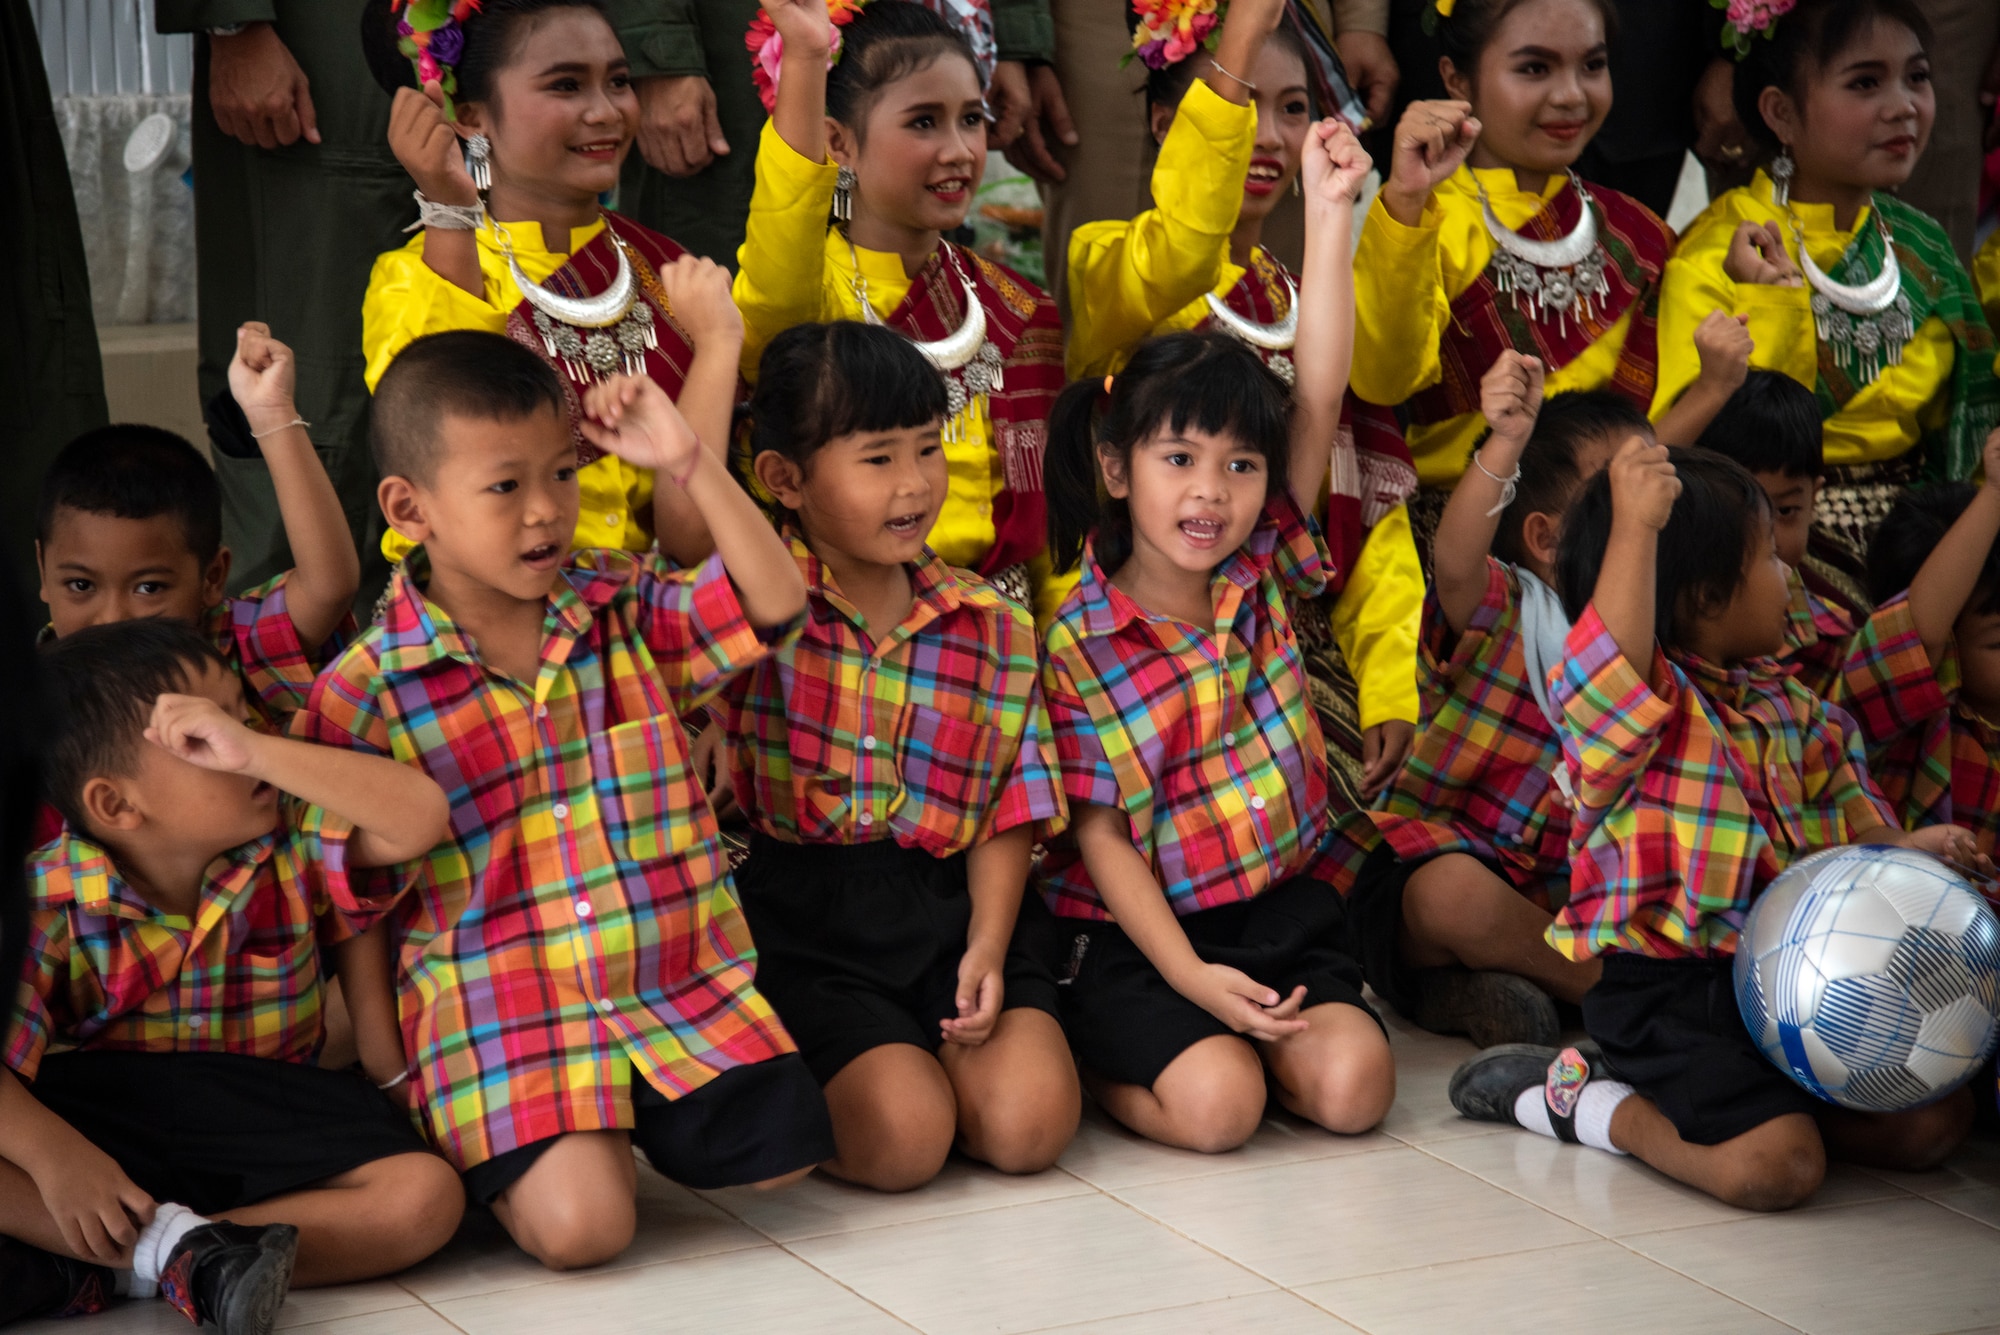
96	888
417	632
1106	609
935	589
1815	219
526	237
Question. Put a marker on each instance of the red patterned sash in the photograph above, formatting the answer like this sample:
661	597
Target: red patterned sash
1372	471
1485	323
1022	325
589	272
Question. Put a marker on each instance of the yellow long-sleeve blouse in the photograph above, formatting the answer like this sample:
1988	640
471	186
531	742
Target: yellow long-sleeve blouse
1405	279
407	299
1150	275
1884	419
793	269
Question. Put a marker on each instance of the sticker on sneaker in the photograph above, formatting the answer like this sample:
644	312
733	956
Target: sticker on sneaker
1568	1074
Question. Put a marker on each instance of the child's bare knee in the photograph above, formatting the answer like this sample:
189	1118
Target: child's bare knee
1775	1175
1923	1138
897	1146
1351	1091
1024	1134
430	1202
1216	1115
573	1239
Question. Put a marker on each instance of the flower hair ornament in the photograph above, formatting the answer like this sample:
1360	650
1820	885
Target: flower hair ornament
1744	21
1169	31
1435	13
767	47
432	34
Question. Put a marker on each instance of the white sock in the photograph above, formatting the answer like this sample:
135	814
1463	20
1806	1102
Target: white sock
1600	1098
156	1243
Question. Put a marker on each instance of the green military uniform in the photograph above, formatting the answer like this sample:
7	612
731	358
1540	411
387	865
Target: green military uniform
288	236
51	381
706	212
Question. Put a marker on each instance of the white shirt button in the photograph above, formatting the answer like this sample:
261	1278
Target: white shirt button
1257	802
541	711
866	820
606	1006
1229	739
612	521
868	742
583	909
562	811
194	1021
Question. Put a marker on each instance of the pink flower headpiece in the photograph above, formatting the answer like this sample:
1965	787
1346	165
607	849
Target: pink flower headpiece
767	47
1747	20
1169	31
432	34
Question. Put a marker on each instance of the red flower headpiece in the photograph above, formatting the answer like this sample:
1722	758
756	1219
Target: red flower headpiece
767	47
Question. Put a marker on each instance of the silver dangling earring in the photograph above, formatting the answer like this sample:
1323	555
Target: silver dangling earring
1782	168
1298	191
843	195
479	161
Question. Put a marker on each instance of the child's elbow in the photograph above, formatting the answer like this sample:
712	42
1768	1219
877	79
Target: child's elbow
435	822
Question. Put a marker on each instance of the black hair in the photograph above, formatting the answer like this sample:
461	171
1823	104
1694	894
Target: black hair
1805	41
887	41
818	382
135	472
1771	424
1166	87
1465	35
101	683
1204	381
1550	473
1703	549
1915	525
460	373
492	38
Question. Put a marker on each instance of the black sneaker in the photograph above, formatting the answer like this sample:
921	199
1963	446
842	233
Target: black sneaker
1486	1088
38	1283
1488	1007
232	1276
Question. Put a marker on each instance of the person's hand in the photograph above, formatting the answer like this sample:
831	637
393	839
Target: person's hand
1371	68
678	130
429	149
1757	255
1048	122
1952	844
99	1210
1243	1003
1644	485
981	984
632	417
1724	345
1510	398
262	377
1719	138
1384	748
1333	163
707	759
1989	455
1431	141
194	728
1008	99
805	26
257	91
698	296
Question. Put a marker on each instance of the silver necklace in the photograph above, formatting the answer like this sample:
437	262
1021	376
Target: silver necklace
1563	277
1868	323
1275	339
620	326
965	359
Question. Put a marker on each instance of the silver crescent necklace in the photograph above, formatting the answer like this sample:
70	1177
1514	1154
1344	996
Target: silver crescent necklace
619	326
1866	324
965	359
1563	277
1275	339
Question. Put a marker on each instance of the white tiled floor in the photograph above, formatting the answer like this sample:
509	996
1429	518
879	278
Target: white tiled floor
1432	1224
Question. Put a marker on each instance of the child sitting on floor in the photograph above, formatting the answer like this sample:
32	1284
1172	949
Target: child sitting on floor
163	1125
574	971
1771	426
1924	678
1448	918
1701	770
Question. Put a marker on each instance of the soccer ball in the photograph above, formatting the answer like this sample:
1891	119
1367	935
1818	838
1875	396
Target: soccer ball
1872	977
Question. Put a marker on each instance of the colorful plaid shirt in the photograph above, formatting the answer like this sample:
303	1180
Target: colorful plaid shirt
1817	639
579	919
1938	762
1483	777
1205	736
934	736
107	971
1696	785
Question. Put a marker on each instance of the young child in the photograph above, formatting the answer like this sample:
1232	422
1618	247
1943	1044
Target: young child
163	1125
1449	918
129	524
896	768
1701	770
1924	678
891	142
1190	754
1771	426
513	122
574	973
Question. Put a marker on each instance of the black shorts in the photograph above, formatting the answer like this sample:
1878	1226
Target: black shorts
750	1124
1671	1030
858	945
214	1132
1373	933
1126	1022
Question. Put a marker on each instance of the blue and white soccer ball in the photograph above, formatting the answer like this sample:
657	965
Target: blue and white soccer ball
1872	977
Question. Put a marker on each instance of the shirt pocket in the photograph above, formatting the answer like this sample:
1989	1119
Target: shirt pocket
645	789
946	765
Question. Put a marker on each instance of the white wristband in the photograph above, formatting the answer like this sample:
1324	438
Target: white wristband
1509	485
296	421
446	217
391	1084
